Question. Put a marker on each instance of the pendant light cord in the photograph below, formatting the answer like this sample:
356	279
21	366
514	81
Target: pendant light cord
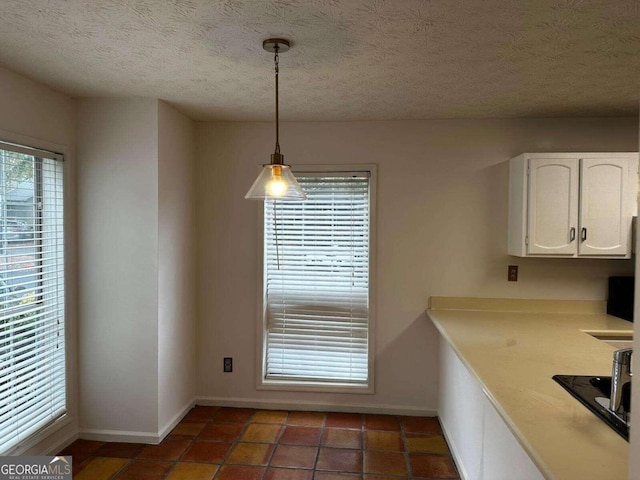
276	61
275	229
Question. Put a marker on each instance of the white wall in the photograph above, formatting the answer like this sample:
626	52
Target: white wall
36	115
137	335
176	294
118	265
35	110
442	218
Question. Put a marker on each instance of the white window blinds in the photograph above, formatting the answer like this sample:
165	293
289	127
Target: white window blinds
316	278
32	339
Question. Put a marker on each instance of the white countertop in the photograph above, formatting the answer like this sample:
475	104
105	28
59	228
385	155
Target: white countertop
514	354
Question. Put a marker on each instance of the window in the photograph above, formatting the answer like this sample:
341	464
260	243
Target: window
316	283
32	336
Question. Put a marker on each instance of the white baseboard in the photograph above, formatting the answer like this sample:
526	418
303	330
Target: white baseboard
164	431
454	453
153	438
314	406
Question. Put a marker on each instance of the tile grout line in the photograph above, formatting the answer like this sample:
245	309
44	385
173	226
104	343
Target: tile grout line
275	445
315	462
192	440
208	422
234	443
122	469
405	448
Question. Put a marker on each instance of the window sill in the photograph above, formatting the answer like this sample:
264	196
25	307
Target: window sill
39	436
317	387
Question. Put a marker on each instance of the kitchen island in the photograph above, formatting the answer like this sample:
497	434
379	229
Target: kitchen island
502	413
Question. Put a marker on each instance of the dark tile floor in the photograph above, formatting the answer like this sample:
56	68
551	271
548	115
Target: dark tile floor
246	444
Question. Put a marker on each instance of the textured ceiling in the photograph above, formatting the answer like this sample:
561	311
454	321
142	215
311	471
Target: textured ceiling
351	59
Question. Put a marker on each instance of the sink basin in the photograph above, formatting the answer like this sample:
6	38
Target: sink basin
617	340
594	392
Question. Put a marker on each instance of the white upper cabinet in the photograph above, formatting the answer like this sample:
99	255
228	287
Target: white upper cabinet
572	204
605	216
553	206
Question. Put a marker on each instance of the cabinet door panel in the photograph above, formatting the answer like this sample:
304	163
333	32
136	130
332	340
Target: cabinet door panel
553	206
503	457
603	215
460	409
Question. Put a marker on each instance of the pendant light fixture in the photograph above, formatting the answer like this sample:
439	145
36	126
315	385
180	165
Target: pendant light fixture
276	181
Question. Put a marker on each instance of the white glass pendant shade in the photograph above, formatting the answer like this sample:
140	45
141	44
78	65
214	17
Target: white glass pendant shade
275	182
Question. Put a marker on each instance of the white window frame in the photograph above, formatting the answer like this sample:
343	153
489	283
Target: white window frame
310	386
31	146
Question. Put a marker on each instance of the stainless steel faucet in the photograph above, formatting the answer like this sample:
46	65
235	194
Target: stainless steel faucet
620	380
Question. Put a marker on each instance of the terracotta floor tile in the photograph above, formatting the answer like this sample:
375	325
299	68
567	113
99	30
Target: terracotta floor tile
378	440
336	476
187	429
432	466
168	450
193	471
222	432
234	472
87	447
340	460
263	433
344	420
101	468
301	436
250	454
121	450
145	470
387	463
427	444
288	474
206	452
341	438
270	416
421	425
79	462
237	415
295	456
381	422
306	419
200	413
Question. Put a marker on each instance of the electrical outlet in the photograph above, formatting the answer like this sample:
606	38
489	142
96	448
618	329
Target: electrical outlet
512	276
228	364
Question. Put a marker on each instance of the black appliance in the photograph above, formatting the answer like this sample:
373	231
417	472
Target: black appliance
620	298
